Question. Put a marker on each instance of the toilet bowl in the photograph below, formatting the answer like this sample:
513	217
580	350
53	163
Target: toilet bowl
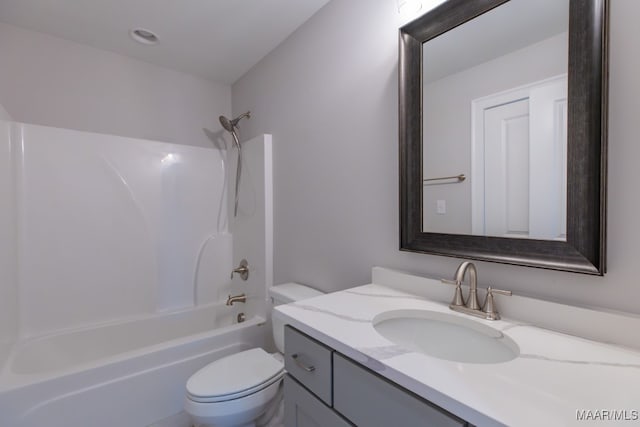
243	389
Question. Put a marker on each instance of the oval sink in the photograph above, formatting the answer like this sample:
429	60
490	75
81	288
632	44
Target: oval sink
446	336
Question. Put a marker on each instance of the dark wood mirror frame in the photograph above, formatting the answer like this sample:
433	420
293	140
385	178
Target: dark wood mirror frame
584	250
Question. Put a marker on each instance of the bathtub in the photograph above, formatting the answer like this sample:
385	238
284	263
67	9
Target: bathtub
127	374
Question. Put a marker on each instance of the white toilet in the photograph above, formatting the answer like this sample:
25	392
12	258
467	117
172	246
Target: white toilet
240	389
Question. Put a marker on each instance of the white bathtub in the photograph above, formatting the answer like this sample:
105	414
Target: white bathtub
126	374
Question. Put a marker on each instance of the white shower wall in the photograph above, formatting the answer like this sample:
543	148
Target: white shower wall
252	228
107	227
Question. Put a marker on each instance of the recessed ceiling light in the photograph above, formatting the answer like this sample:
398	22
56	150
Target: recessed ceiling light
143	36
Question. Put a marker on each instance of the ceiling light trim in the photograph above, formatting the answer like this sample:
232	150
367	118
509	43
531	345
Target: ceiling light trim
144	36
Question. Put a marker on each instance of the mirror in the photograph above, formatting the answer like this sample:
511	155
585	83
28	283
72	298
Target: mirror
503	132
494	123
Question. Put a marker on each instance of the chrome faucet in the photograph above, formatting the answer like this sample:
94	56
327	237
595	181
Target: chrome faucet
472	300
472	306
236	298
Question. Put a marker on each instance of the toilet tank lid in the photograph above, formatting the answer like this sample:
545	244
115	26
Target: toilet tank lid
290	292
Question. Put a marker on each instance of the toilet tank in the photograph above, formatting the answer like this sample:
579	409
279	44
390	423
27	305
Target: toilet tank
284	294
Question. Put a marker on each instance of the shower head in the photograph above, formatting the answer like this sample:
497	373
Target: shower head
226	124
230	125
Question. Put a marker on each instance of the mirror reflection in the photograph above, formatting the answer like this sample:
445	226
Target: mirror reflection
495	124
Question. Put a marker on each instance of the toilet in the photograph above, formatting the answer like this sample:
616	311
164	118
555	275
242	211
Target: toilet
244	389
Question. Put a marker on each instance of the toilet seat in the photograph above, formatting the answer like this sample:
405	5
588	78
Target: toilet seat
234	377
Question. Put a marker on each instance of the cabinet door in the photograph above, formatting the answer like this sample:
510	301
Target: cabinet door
302	409
371	401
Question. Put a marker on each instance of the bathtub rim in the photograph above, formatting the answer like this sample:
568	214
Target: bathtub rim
10	380
123	319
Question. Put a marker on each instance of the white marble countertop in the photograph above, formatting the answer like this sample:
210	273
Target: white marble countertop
554	377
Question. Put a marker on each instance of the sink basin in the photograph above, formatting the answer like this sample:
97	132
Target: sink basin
446	336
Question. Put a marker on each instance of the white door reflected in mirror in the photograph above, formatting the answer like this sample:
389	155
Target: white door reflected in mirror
519	162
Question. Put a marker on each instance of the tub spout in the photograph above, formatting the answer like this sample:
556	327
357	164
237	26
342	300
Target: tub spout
236	298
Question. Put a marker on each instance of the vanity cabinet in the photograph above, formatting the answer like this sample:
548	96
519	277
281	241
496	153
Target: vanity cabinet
303	409
324	388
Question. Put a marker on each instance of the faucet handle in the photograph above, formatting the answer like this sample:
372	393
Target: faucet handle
499	291
489	306
458	300
242	270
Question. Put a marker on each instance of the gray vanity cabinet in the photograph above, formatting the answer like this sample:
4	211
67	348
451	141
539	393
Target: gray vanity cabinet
326	389
303	409
367	399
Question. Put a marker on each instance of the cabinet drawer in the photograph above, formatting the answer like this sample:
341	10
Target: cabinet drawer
302	409
309	362
355	388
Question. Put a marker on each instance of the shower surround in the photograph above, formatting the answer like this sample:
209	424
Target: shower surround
115	257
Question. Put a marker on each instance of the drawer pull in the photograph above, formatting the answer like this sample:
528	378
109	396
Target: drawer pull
302	365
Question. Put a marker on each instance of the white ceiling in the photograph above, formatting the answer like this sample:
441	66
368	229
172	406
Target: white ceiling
216	39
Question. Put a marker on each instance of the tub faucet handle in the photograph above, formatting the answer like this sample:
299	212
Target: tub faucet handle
242	270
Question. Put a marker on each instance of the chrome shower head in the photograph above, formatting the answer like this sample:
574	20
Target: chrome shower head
230	125
226	124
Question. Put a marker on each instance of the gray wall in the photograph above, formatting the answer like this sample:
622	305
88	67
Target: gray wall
4	114
8	255
329	96
49	81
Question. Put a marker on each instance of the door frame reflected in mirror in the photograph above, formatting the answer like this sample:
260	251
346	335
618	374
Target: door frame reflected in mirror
584	250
